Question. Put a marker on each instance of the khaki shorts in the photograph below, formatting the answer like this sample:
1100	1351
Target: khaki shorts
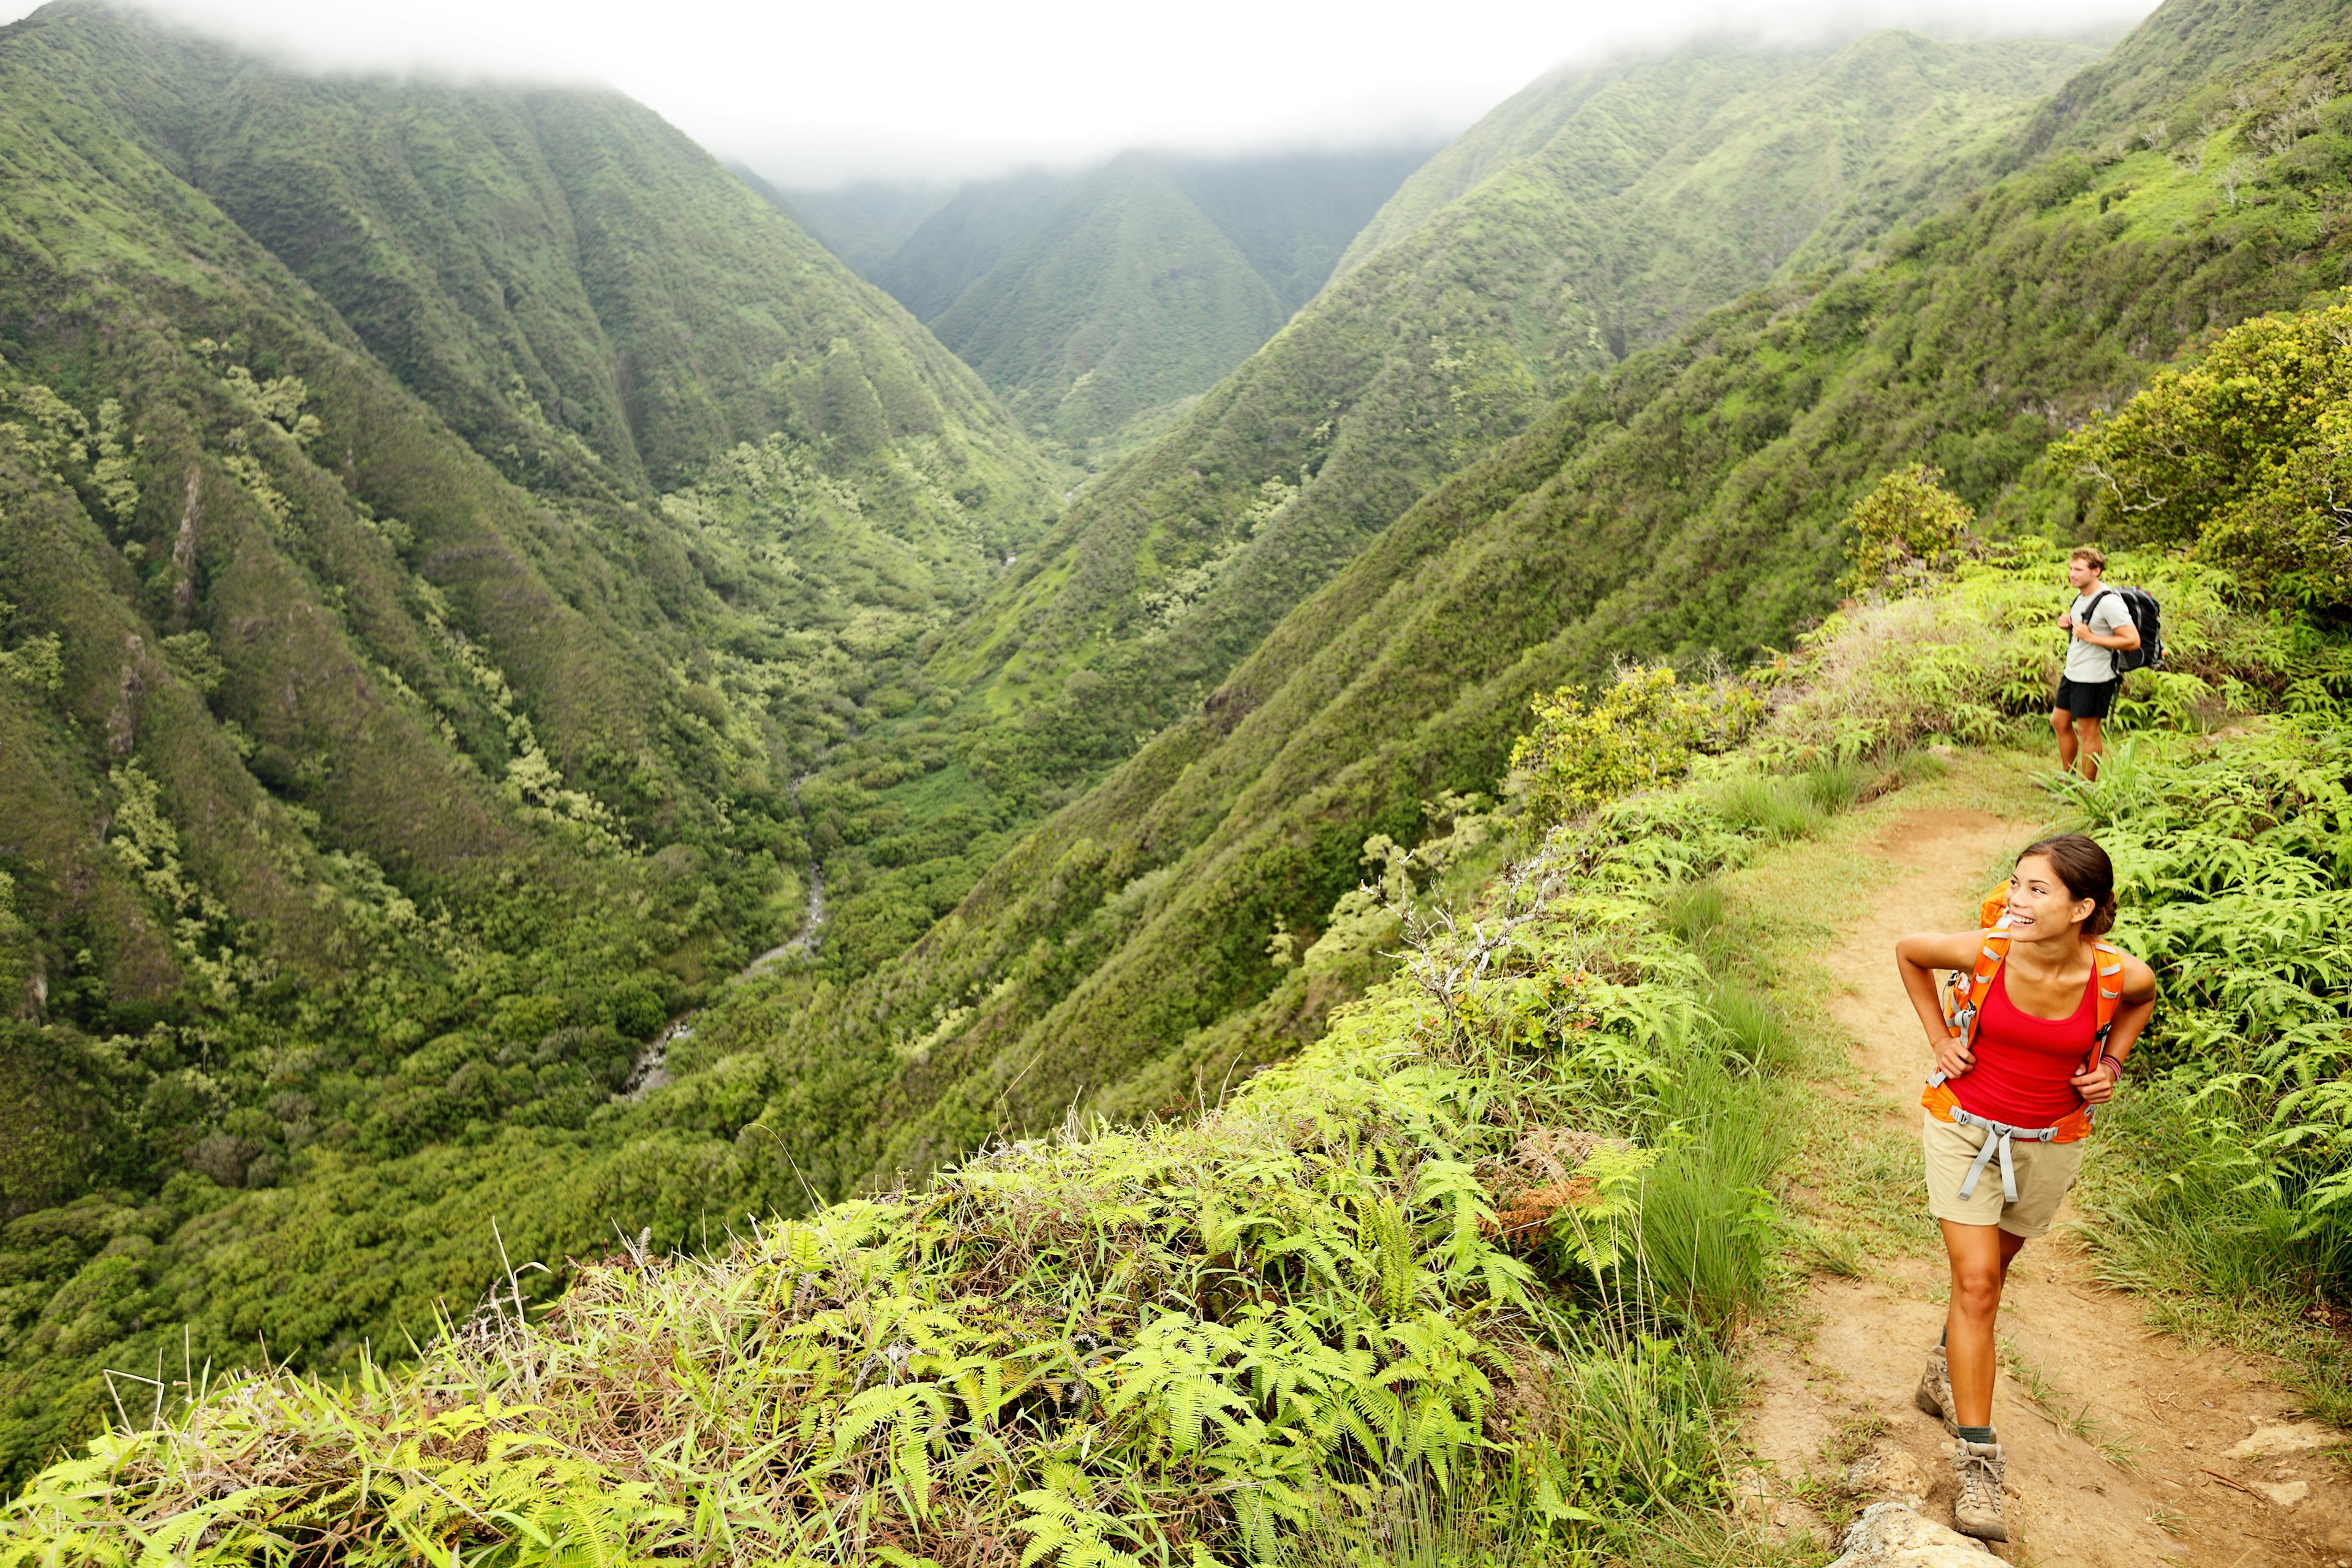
2044	1172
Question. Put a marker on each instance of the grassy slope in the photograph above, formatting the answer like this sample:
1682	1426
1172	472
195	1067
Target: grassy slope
1126	298
384	956
1688	502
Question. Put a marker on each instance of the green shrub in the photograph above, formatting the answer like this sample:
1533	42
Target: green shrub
1642	732
1907	528
1706	1212
2244	454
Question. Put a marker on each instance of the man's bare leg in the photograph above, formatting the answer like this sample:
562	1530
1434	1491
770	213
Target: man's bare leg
2091	747
2064	722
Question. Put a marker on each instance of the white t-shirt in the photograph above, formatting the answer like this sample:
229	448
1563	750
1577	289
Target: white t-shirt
2086	661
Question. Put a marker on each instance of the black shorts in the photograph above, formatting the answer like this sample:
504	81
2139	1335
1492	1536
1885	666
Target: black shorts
2084	698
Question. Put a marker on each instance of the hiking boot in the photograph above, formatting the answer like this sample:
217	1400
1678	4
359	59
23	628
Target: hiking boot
1977	1510
1935	1396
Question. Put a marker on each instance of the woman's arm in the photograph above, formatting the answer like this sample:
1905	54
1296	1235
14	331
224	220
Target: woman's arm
2133	1010
1916	958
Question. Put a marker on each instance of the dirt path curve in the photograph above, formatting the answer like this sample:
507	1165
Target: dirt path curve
2220	1471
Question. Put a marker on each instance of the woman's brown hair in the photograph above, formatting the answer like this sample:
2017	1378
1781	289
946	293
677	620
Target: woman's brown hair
2087	873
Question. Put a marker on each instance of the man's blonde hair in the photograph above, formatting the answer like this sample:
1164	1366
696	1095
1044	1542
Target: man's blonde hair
2091	556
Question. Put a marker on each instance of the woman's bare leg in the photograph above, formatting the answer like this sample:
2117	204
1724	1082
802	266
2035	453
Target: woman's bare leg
1980	1256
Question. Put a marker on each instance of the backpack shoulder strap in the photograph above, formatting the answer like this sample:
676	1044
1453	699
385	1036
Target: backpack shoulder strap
2108	959
1992	947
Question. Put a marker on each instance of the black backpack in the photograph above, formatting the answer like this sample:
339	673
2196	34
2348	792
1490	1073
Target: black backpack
2149	616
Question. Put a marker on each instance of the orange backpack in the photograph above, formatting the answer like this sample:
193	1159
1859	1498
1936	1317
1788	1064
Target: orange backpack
1964	997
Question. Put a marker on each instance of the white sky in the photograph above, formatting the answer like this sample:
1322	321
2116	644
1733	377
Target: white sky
819	93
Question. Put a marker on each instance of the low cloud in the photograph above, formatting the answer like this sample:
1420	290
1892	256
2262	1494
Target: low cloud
816	94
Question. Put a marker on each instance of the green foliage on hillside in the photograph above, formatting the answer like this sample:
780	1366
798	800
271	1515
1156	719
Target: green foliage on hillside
2233	866
2246	455
1126	298
490	245
1170	570
368	811
1693	503
1904	529
1479	1228
866	221
973	231
1490	1235
370	808
1098	302
1645	730
1294	214
1446	341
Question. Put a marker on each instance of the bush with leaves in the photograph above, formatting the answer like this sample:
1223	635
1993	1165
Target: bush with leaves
2234	875
1909	527
1641	733
2245	456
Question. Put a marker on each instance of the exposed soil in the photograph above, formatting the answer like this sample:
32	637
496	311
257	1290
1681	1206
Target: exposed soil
2222	1471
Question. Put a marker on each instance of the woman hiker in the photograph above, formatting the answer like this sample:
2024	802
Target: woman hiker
2049	1018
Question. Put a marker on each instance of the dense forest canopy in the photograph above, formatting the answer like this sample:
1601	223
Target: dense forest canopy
541	711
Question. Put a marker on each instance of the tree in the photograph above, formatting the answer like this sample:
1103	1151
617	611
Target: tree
1904	529
2244	458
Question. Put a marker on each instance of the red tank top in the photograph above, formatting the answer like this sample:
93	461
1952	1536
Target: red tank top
2024	1065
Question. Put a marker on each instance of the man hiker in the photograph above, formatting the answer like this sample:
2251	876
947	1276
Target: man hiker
2097	627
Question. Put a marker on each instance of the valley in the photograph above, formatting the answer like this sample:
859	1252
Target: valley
1096	864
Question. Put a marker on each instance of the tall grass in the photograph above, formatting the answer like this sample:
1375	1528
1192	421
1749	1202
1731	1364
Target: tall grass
2191	1217
1707	1210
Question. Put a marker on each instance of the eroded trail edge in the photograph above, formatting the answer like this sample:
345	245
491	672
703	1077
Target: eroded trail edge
2137	1450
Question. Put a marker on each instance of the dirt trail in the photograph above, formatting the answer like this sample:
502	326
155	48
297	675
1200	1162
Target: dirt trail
2223	1472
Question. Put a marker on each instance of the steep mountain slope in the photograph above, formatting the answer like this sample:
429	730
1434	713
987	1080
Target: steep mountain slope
1686	504
971	232
866	222
1126	298
487	244
1292	214
1173	567
1667	187
1085	299
366	805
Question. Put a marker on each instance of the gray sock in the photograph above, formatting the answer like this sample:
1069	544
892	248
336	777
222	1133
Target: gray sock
1979	1435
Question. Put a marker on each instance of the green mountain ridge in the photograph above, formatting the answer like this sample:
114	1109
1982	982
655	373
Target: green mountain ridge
1092	299
971	232
1127	298
1681	175
866	222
